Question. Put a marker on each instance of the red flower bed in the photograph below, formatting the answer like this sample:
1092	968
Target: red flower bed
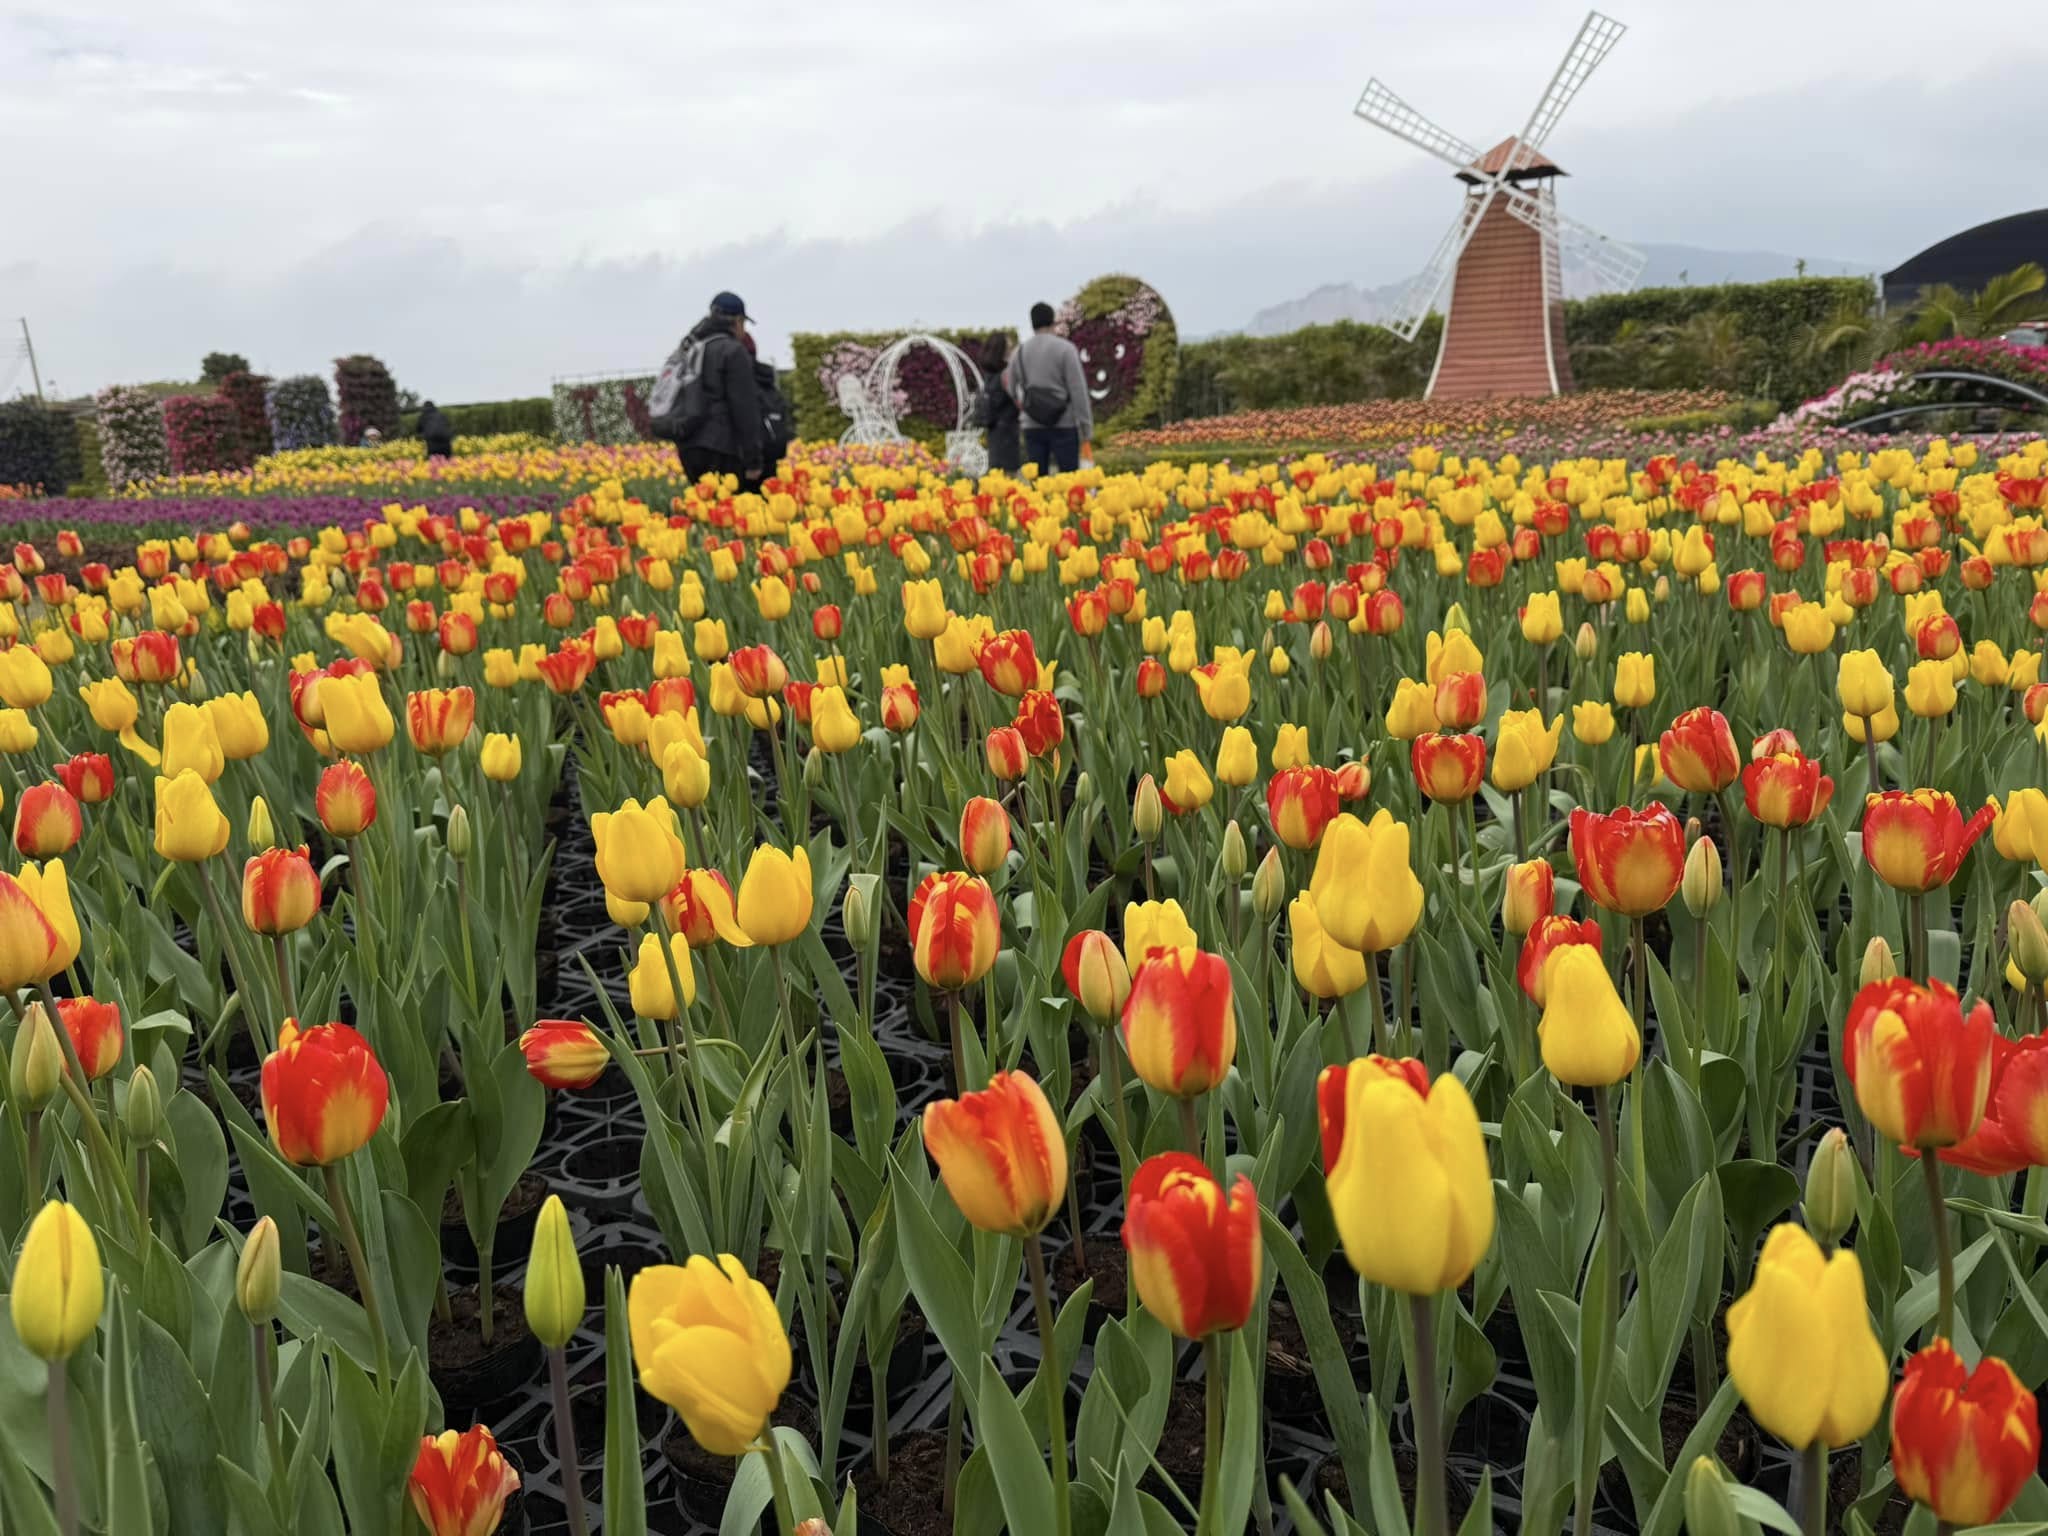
1368	421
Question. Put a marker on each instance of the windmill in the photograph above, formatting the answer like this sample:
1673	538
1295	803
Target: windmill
1504	253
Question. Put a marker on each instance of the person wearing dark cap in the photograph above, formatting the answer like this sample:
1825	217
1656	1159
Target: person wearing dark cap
724	436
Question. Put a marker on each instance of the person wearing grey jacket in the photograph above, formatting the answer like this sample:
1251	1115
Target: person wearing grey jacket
1046	380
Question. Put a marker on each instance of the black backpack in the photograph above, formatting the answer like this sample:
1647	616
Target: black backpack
678	403
1044	404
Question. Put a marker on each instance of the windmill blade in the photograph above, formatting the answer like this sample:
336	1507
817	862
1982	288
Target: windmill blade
1383	109
1420	296
1597	37
1614	264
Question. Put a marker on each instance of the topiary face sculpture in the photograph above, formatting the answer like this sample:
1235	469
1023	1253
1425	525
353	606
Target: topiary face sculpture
1130	351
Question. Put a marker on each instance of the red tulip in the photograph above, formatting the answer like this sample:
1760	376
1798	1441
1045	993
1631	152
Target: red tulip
1629	861
1301	803
460	1483
1009	662
1920	1067
899	706
1180	1022
1094	970
1195	1252
89	776
1001	1154
2014	1131
280	891
1460	700
565	670
324	1093
984	835
1040	722
95	1031
1008	756
1963	1442
1786	789
759	671
1151	678
827	622
439	719
346	800
1746	590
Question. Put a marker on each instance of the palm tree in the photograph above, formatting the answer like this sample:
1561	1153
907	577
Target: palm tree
2009	299
1710	349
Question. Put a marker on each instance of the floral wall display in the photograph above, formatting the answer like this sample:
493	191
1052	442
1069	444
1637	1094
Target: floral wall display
132	442
922	400
1863	393
203	434
246	392
603	411
301	413
369	397
1130	351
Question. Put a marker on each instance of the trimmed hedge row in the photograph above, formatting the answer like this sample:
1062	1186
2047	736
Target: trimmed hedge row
1347	361
38	446
489	418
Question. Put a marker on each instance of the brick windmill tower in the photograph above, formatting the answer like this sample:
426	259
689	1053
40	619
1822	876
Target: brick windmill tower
1505	253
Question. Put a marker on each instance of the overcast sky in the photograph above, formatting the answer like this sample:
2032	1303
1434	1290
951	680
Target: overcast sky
490	195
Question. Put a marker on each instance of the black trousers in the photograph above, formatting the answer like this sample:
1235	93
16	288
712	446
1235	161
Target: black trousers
440	448
1055	450
699	462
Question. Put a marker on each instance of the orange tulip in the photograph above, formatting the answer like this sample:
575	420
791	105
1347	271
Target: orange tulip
1195	1252
324	1093
1460	700
1920	1067
1095	973
1009	662
1786	789
955	930
2014	1131
47	821
1916	838
1449	768
984	835
1008	757
1630	861
1301	803
1180	1022
759	671
566	670
95	1031
1963	1442
1698	752
280	891
564	1053
1001	1153
460	1483
346	800
439	719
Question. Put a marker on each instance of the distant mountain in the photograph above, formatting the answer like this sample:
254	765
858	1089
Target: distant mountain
1670	266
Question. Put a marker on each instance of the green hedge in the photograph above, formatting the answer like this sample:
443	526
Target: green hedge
488	418
1316	365
1616	342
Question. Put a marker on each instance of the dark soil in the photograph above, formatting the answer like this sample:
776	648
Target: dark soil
1181	1444
912	1502
528	1195
458	1345
1845	1468
1737	1446
1457	1495
709	1476
1107	1267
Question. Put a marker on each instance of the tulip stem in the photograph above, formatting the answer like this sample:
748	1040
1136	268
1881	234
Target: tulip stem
1813	1491
352	1245
1916	933
1641	999
264	1043
1113	1064
97	1145
1379	1042
282	955
778	1483
1944	1256
1051	1386
1429	1434
262	1341
1191	1128
63	1475
1609	1304
1212	1433
1738	876
958	1040
565	1442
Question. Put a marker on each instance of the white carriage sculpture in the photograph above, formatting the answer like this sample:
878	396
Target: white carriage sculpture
870	403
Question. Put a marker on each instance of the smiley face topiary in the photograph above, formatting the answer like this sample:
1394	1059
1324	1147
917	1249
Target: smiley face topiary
1130	351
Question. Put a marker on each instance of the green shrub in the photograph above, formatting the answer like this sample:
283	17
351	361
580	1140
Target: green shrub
38	448
1742	416
1316	365
489	418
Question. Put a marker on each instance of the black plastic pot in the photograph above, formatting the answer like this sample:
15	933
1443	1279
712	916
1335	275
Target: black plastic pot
515	1228
486	1389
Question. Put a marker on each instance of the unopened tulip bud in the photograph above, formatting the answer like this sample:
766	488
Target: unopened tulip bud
444	667
37	1065
1146	812
2041	906
1586	643
814	769
1879	964
1702	883
1527	895
1709	1507
1831	1189
858	915
1269	886
260	1273
261	834
1235	856
1319	641
1454	618
1084	789
2026	942
460	838
815	1526
143	1112
554	1278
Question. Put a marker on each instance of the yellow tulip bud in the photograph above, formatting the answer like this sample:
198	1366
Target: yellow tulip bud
1701	885
1831	1189
1586	644
1236	858
262	836
37	1065
259	1274
1879	964
58	1285
1269	886
857	914
1709	1506
1146	811
460	838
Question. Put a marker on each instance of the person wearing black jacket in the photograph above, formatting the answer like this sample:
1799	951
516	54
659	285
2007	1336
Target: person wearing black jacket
434	427
997	409
778	421
728	439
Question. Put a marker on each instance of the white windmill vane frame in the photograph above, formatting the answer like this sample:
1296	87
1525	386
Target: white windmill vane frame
1615	264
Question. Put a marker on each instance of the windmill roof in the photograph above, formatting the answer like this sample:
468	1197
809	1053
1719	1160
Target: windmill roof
1495	160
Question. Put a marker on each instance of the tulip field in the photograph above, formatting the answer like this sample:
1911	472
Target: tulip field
1445	994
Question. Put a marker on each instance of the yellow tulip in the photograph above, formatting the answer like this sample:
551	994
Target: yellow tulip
1324	967
1588	1037
834	726
1930	689
640	854
1525	749
924	609
1635	680
189	825
654	997
1290	748
1188	786
708	640
1364	887
49	892
358	718
1592	723
1808	629
1237	759
58	1288
775	895
1800	1347
500	757
17	732
709	1342
1542	618
1410	1188
1413	711
24	678
238	725
190	742
685	775
1863	683
1154	925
